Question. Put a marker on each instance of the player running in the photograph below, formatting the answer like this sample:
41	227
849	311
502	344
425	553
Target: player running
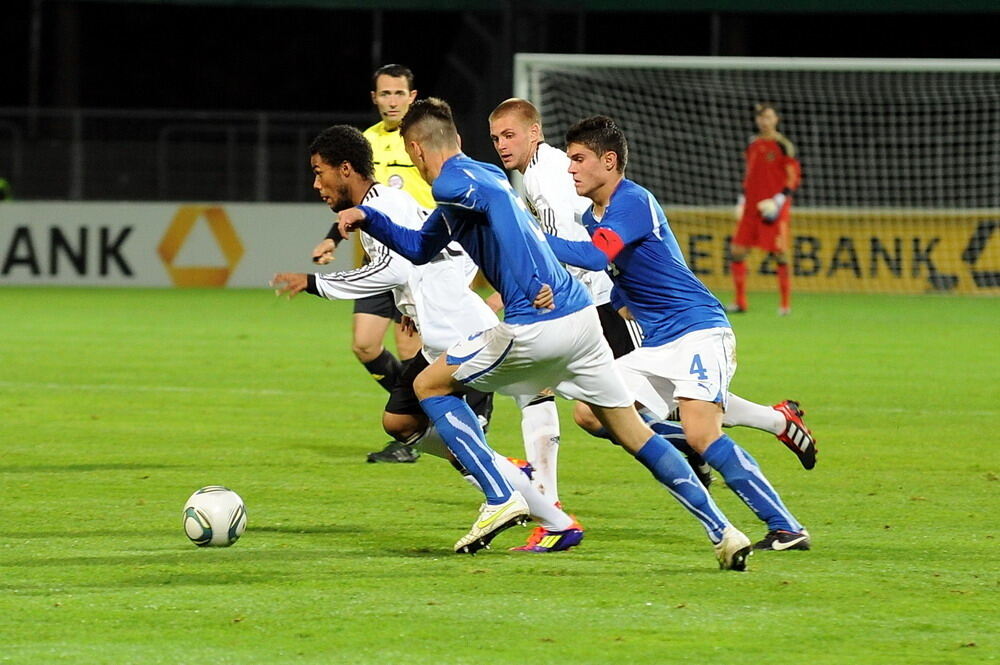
689	352
548	190
764	209
436	296
392	93
550	336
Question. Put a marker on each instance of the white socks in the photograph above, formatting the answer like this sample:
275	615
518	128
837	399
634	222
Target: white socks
749	414
540	429
542	509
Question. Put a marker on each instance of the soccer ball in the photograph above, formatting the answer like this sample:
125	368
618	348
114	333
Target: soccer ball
214	516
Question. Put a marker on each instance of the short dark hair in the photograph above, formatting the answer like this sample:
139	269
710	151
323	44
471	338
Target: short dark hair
394	71
600	134
429	121
343	143
760	107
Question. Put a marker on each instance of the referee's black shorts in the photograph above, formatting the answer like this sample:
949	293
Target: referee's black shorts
623	336
383	305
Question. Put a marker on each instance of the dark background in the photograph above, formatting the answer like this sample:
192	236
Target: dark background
290	56
178	56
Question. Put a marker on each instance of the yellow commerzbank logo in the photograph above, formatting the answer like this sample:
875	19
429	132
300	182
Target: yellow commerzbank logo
178	232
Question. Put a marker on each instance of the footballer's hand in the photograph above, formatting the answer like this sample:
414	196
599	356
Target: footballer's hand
323	252
770	208
408	326
289	284
350	219
545	299
625	314
738	208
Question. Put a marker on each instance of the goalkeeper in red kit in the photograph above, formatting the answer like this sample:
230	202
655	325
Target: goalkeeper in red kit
764	209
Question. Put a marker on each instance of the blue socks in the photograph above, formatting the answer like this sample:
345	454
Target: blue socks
670	468
459	428
743	476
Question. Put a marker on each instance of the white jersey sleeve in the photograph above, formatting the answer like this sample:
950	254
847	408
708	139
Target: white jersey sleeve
435	295
552	198
386	270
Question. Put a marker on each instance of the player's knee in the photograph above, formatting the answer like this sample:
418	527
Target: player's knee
737	253
429	384
366	351
701	433
402	427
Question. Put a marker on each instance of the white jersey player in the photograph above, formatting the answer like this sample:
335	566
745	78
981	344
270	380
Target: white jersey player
548	188
436	296
559	208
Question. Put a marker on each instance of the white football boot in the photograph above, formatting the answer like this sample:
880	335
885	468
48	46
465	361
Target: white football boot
733	550
491	521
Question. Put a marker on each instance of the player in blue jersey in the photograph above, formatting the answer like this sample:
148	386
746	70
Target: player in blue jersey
551	335
688	352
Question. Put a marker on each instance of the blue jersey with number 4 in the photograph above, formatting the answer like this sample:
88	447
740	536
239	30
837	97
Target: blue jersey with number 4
478	208
662	293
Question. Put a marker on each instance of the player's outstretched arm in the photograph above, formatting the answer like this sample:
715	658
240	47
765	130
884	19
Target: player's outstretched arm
595	255
350	219
417	245
384	273
289	284
579	253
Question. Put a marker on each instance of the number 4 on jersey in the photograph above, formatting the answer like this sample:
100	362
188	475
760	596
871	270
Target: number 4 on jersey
698	368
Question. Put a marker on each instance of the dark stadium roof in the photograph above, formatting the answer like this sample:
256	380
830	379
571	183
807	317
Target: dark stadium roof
734	6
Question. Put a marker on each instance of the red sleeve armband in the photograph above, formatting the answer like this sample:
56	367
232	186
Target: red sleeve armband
608	242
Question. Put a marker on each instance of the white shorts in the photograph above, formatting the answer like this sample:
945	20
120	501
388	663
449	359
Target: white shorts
568	355
699	365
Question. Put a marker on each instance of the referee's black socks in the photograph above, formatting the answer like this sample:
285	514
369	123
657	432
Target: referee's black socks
385	369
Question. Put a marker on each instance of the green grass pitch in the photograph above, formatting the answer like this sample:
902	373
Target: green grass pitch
115	405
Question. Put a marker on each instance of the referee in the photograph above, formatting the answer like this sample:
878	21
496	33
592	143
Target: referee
392	93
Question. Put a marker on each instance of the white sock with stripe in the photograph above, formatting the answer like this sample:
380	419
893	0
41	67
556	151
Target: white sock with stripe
741	412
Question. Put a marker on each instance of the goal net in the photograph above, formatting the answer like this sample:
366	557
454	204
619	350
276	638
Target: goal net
900	158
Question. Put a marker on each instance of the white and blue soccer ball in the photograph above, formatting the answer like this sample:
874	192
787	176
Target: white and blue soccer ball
214	516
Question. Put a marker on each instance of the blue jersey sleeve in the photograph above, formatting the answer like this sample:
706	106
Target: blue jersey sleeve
498	202
618	299
484	214
579	253
419	246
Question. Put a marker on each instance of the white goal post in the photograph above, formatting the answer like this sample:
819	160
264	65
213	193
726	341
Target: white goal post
900	158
